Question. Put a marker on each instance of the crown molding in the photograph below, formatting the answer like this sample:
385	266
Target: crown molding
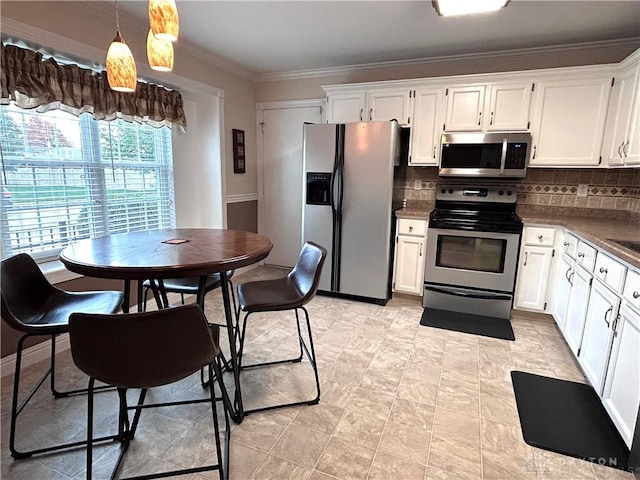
132	23
575	48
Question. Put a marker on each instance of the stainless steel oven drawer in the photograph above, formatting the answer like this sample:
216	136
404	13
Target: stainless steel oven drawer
466	300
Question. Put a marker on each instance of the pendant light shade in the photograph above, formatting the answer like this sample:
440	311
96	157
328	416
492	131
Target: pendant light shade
121	67
163	19
159	53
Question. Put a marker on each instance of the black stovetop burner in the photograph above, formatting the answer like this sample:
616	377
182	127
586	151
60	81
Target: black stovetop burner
482	209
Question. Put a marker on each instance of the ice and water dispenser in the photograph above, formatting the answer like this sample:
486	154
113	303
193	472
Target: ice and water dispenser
318	188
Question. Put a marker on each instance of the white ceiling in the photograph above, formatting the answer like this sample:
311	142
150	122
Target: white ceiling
267	37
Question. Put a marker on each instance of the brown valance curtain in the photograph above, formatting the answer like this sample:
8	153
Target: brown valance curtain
34	82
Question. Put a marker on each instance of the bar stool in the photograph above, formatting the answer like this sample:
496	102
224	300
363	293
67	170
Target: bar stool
31	305
291	292
145	350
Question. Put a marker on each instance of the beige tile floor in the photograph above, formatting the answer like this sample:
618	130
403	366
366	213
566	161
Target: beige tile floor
399	401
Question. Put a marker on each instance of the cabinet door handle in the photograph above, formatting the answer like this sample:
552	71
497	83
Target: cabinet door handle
624	148
603	270
615	325
370	114
434	151
635	295
620	149
479	117
610	309
535	148
420	254
570	277
491	119
361	112
526	257
567	273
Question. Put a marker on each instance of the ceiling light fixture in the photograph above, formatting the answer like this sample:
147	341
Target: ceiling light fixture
159	53
446	8
121	67
163	19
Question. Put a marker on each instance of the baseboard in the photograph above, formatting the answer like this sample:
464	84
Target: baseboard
33	354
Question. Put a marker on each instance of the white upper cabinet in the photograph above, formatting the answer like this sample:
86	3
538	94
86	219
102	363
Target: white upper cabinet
509	107
493	107
347	107
568	121
426	126
622	135
465	106
385	105
369	105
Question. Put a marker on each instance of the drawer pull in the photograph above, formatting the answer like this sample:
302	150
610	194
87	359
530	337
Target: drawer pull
603	270
635	295
580	255
566	244
411	228
540	237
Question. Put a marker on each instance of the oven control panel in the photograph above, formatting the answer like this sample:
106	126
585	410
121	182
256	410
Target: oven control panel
491	194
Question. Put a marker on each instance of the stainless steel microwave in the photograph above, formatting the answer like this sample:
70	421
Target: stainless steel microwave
497	155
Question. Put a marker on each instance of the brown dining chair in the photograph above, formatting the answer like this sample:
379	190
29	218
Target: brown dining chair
291	292
183	286
145	350
31	305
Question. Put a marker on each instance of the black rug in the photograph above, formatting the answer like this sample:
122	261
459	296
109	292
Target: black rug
467	323
568	418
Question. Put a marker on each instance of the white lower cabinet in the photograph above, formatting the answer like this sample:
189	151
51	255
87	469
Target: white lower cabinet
563	287
574	323
408	272
595	349
621	396
533	277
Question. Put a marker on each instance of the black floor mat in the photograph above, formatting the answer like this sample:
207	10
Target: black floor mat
568	418
464	322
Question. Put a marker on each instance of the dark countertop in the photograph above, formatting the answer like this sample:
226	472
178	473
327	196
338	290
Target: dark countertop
598	231
595	229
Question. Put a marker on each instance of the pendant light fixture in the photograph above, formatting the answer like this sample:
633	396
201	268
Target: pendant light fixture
159	53
121	67
163	19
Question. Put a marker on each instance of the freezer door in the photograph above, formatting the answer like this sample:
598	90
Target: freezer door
319	151
369	154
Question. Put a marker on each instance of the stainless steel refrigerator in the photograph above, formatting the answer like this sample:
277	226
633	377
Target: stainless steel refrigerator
348	191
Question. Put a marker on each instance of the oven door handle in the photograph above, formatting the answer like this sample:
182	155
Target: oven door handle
492	296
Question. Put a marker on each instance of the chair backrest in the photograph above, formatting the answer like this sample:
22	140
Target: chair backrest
25	291
142	350
306	272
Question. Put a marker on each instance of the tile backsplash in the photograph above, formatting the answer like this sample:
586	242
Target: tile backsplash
606	189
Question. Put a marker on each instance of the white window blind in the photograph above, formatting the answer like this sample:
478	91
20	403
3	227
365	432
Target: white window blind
66	178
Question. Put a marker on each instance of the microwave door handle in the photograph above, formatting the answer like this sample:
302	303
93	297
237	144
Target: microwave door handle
503	159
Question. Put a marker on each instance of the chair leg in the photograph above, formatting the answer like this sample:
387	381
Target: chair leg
223	462
17	409
308	350
90	429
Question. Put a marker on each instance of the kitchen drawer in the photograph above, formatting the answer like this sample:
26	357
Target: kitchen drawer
610	272
570	245
586	255
631	291
541	236
410	226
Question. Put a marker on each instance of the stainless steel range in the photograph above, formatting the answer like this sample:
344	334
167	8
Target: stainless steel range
473	242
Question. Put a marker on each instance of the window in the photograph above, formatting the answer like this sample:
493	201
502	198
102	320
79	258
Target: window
66	178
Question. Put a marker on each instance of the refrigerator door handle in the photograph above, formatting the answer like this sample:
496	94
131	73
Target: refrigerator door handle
332	189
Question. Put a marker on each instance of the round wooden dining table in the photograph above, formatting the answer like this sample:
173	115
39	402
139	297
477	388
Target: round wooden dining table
172	253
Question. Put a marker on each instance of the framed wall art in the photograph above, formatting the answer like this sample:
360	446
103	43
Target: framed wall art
238	151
